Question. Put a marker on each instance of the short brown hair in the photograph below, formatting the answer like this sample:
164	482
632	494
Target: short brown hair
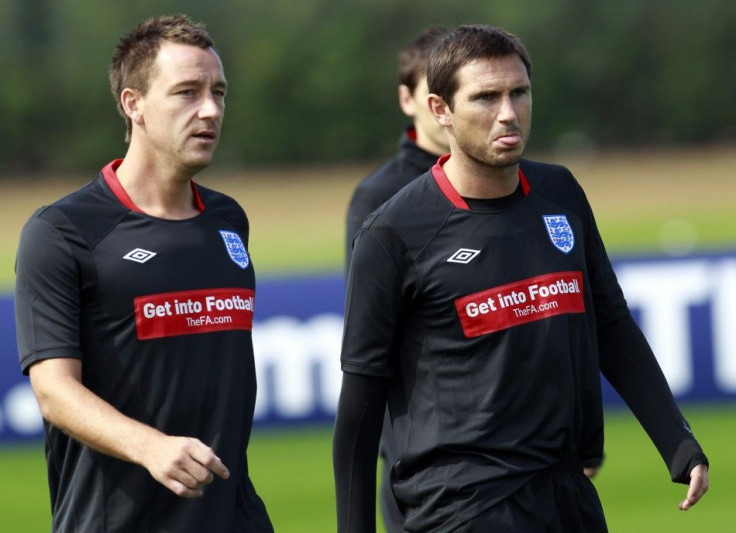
465	44
136	52
413	57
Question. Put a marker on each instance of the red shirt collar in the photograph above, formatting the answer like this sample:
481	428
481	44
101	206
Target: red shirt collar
438	173
111	178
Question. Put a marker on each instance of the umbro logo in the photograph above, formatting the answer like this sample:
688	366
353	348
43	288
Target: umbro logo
139	255
463	256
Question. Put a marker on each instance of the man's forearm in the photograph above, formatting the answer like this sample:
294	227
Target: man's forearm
70	406
184	465
355	451
630	366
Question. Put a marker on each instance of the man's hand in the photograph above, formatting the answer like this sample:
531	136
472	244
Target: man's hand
698	486
183	465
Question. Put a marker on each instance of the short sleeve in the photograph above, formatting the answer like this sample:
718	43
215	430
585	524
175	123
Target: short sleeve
47	295
375	302
362	204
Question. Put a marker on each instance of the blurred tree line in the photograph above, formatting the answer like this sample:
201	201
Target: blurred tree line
315	80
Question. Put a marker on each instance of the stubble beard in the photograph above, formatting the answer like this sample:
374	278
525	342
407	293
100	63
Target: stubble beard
484	157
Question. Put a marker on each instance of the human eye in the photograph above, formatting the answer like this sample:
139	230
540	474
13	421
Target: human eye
219	89
486	96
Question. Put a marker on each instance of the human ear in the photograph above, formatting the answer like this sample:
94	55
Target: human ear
440	110
130	102
406	101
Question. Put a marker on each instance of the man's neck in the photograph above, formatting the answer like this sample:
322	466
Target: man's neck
473	179
428	144
157	189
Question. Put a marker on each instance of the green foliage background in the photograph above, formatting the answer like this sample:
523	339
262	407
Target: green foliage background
315	80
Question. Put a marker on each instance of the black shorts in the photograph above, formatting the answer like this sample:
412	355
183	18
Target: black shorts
560	499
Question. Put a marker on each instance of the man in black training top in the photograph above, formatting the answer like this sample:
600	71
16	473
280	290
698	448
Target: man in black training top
419	147
134	304
481	306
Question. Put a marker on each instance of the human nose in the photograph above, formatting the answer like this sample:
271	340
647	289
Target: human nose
507	110
212	107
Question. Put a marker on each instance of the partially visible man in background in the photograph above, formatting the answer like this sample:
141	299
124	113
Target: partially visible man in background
419	148
134	305
421	144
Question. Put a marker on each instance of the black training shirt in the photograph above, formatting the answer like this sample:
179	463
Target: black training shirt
160	314
487	323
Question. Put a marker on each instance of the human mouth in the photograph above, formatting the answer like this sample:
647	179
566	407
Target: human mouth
205	135
509	139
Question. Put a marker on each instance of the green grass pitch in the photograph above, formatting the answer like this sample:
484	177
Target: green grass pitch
292	472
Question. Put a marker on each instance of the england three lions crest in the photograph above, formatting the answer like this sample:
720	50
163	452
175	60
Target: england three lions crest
560	232
235	248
